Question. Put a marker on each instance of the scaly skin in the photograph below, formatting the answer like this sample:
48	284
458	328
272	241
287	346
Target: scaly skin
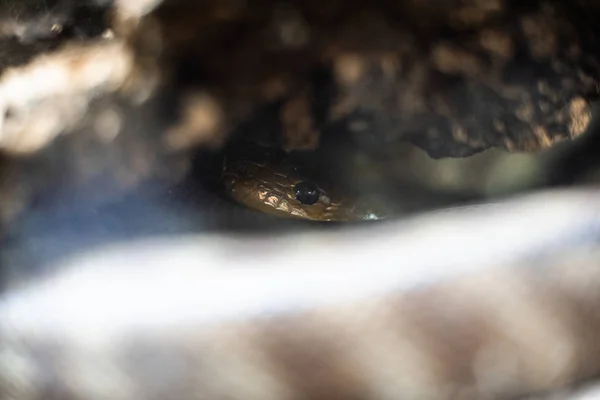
263	179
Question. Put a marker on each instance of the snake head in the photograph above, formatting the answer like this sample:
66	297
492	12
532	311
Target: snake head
270	183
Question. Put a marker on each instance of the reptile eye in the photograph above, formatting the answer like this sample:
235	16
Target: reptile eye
306	193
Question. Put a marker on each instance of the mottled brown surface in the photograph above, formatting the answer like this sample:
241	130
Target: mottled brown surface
453	77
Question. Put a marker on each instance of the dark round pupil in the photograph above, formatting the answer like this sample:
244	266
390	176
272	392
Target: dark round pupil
306	193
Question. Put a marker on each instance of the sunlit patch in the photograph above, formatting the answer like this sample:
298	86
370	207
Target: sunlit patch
332	208
371	216
262	194
299	213
284	206
273	201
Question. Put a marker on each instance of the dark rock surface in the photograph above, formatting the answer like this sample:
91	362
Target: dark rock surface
454	77
140	85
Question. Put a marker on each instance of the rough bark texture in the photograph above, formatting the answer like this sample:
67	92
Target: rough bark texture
454	77
144	82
